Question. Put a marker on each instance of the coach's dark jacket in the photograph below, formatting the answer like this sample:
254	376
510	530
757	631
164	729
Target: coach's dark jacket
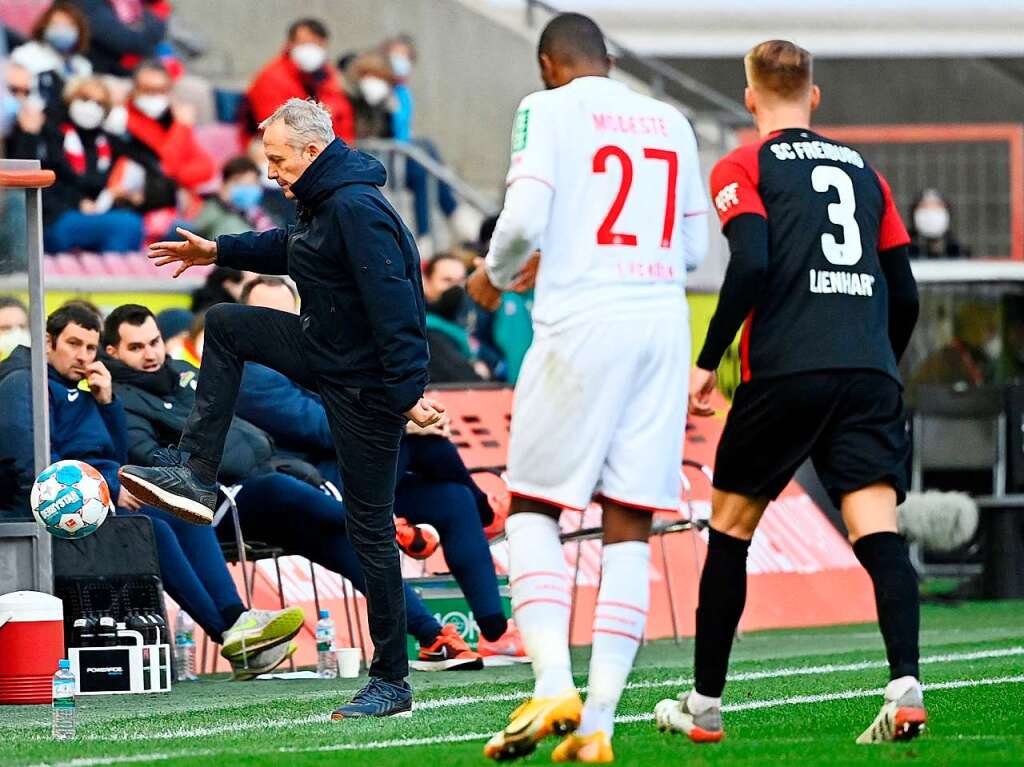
157	406
358	274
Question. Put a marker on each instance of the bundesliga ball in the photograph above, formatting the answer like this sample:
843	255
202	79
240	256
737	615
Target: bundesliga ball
70	499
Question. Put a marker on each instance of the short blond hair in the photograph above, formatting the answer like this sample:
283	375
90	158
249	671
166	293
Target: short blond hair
780	68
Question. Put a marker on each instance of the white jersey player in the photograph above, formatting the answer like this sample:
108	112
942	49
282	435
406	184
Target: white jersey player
606	183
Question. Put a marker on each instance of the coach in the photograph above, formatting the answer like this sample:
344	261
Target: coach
359	341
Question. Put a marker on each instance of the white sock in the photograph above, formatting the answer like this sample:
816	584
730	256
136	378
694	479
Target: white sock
698	704
897	688
541	590
619	620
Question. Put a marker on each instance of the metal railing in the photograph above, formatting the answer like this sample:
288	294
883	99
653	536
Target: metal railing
664	80
389	152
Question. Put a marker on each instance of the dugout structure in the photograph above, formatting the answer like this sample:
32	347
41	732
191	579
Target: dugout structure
25	555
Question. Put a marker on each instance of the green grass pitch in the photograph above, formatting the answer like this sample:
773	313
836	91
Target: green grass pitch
796	698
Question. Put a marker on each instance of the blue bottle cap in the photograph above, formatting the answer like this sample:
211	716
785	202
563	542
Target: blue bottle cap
65	664
324	614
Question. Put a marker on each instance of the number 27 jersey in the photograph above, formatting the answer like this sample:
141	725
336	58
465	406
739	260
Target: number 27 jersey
627	199
831	217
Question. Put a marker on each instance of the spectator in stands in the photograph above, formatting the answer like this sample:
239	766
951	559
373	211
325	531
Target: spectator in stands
174	327
509	330
148	382
192	348
24	114
86	209
367	80
930	233
274	203
223	285
124	32
54	54
300	71
160	139
13	325
235	207
453	357
401	53
434	486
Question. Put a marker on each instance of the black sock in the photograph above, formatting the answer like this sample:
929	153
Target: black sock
205	472
492	627
885	557
232	613
723	593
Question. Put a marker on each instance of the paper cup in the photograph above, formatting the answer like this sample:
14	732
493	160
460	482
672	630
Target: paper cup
349	661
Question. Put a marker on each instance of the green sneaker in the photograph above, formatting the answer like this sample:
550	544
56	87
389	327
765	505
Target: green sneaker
262	662
257	630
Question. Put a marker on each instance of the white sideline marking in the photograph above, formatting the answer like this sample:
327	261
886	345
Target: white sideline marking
438	739
467	700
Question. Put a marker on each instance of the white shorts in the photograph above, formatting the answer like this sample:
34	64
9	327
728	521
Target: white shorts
600	409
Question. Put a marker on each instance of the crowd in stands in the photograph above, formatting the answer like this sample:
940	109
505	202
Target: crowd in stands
98	92
120	390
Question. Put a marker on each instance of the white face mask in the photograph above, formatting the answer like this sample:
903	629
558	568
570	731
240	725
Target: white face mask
309	57
152	105
11	339
87	115
994	348
932	223
374	90
117	121
400	65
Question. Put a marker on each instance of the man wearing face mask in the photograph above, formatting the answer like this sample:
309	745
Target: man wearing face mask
54	55
367	81
236	207
930	235
82	209
453	357
161	138
299	71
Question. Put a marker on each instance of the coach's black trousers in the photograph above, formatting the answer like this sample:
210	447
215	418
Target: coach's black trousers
366	437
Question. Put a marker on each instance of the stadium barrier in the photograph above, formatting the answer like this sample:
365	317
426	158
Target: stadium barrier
25	547
798	561
978	168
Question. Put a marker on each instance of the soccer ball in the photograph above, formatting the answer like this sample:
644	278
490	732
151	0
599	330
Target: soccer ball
70	499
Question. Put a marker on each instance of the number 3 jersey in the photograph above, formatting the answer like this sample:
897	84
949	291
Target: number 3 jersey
627	213
830	218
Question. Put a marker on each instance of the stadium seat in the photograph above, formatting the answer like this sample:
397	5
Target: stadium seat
21	15
220	140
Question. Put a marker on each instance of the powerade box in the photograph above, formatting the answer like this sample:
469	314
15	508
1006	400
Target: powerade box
445	601
128	667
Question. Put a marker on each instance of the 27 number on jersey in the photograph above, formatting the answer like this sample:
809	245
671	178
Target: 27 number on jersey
606	234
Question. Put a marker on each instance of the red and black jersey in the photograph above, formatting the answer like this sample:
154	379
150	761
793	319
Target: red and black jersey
823	304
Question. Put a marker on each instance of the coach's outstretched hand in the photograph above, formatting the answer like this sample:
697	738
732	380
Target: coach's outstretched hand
702	386
425	412
192	251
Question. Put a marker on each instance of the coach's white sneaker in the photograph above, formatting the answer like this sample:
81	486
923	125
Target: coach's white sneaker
903	715
674	715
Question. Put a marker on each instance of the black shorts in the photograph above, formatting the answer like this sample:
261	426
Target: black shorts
850	423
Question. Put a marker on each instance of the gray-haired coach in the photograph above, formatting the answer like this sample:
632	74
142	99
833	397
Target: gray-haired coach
359	342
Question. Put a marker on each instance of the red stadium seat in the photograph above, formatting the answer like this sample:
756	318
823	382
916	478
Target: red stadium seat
220	140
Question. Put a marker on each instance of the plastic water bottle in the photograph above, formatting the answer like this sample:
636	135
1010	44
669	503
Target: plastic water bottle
326	661
184	647
64	702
